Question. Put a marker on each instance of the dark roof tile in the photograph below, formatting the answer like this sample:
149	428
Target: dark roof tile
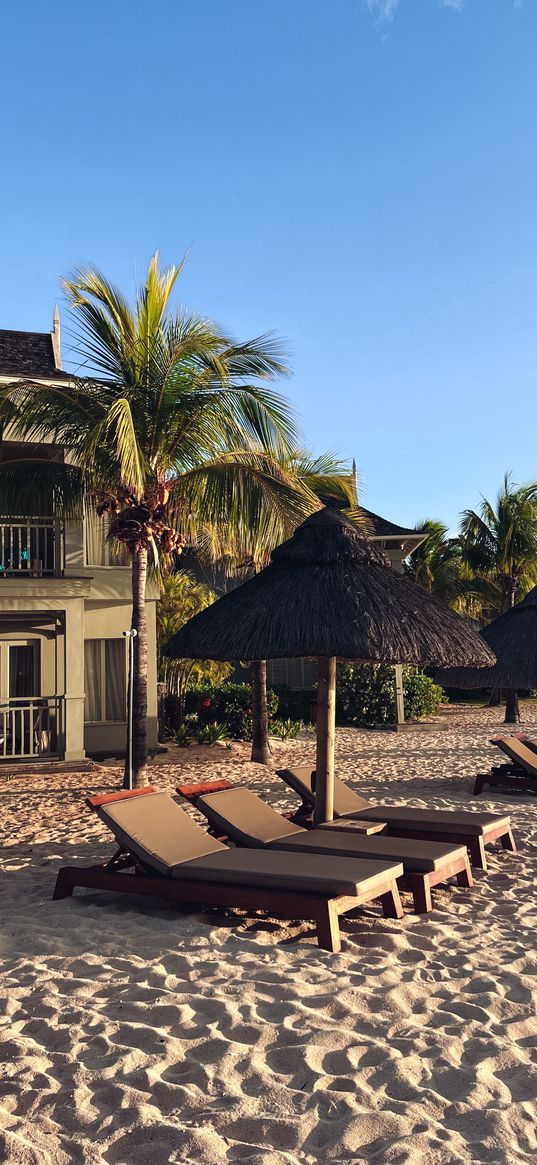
28	354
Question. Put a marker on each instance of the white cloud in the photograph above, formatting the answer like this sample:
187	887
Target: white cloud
382	9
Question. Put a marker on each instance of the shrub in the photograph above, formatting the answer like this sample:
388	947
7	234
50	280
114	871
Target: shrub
229	704
365	694
286	729
210	733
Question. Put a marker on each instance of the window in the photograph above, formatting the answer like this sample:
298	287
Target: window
297	674
104	679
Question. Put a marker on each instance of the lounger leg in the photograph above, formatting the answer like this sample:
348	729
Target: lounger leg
391	903
478	857
479	783
327	920
421	890
508	841
464	877
64	885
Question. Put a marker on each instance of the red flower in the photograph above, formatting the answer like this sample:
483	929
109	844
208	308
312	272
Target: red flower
206	703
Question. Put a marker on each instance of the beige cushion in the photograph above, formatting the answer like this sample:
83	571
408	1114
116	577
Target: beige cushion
304	873
302	780
157	831
456	822
245	818
416	856
519	753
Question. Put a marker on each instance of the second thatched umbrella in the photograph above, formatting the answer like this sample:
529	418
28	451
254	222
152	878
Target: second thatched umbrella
513	639
330	594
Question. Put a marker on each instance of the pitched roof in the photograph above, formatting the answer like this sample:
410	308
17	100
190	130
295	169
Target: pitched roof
381	528
28	354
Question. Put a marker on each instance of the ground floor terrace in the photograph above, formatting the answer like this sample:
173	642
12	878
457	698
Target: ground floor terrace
63	676
132	1031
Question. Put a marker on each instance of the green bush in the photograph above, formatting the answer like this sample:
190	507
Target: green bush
229	704
365	694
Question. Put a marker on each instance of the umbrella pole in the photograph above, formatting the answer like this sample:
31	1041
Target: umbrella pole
326	740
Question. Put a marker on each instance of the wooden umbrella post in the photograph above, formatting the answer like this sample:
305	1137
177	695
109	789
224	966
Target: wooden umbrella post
326	740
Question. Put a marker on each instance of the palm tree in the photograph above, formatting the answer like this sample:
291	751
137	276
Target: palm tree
169	431
247	546
499	552
436	564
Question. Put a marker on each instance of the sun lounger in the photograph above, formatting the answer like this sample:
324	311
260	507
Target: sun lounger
249	821
520	774
164	853
474	830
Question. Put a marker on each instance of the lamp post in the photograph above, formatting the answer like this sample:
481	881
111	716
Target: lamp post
130	636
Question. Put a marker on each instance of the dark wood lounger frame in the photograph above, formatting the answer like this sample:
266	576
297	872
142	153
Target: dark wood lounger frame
420	884
474	845
124	873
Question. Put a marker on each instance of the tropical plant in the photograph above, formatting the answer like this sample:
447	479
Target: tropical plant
499	547
286	729
436	564
212	733
182	597
169	431
229	704
366	696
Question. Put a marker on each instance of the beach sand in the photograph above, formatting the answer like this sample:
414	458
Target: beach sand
132	1032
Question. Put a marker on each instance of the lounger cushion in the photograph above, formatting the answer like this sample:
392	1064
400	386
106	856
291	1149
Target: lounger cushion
306	873
519	753
346	801
245	818
436	820
416	856
158	831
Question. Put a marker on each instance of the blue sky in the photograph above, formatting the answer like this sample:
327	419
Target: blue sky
359	175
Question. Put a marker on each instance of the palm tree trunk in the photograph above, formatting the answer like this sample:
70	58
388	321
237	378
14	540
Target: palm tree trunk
260	742
139	687
512	710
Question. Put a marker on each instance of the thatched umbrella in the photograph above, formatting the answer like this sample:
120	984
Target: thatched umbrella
513	639
330	594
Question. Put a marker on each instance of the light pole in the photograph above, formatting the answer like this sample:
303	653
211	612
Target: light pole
130	636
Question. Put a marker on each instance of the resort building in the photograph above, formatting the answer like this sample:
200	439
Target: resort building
64	606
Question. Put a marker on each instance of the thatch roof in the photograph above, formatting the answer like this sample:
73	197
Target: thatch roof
329	591
513	639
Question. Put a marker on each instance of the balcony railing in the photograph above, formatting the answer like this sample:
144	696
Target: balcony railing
31	548
32	728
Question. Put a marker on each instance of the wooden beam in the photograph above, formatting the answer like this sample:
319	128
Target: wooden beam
326	740
399	700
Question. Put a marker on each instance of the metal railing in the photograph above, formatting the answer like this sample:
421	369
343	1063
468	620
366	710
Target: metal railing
31	547
31	728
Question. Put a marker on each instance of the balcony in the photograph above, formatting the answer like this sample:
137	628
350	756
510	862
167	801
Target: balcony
31	548
32	729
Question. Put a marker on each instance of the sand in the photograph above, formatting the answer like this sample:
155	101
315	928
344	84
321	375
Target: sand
130	1032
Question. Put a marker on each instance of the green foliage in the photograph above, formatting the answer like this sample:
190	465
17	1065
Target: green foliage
183	597
436	564
365	694
229	704
286	729
184	735
499	547
211	733
294	705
